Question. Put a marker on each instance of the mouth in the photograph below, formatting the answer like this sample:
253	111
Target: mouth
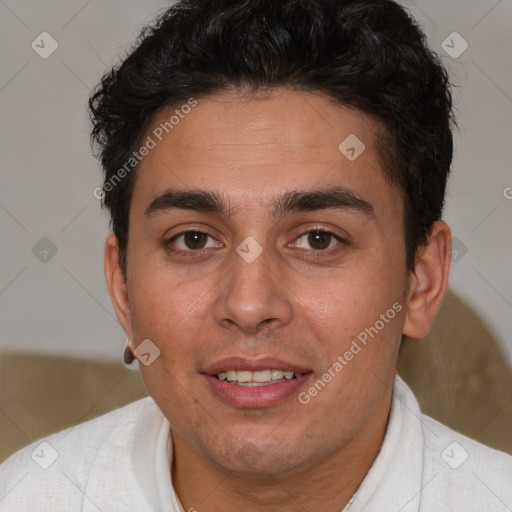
249	383
257	378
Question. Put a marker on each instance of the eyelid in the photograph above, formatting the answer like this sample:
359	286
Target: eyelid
338	238
202	231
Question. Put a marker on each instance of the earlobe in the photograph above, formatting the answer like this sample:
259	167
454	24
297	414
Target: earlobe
428	282
116	284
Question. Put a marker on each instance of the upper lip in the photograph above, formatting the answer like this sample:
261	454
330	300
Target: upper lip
247	364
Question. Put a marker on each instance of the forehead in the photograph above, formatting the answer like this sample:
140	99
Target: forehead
258	146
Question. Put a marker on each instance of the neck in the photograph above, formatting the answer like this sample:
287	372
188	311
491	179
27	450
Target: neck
325	486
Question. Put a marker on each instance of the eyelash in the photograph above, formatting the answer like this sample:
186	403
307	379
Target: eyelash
198	253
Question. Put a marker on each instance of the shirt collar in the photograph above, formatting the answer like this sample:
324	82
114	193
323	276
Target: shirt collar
394	480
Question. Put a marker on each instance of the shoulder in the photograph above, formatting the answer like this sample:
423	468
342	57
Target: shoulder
91	435
463	471
54	470
457	473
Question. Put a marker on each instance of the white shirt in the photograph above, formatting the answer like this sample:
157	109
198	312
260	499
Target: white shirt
121	462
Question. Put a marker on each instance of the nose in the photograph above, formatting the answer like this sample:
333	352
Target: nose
253	295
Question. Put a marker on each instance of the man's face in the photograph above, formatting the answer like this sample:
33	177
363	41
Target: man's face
302	301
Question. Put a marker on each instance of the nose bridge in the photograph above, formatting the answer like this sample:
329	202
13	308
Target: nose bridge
252	293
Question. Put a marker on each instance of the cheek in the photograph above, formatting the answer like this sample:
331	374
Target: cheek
151	309
368	308
171	314
358	294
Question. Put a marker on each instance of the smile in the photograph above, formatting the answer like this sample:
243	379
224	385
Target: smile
257	378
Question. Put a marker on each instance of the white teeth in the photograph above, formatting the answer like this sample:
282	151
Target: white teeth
244	376
260	377
277	374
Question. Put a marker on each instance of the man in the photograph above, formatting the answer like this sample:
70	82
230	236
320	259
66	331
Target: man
275	174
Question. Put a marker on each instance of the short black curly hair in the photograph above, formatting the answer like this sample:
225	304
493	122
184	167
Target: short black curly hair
366	54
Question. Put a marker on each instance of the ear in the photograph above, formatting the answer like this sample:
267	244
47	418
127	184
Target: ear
116	285
428	281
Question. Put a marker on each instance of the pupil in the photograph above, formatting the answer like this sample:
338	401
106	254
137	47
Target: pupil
319	238
193	239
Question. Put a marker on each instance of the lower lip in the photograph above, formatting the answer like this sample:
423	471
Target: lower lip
256	396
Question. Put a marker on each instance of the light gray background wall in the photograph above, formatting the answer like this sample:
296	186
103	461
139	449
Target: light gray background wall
58	303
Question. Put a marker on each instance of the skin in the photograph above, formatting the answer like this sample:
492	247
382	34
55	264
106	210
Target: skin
297	301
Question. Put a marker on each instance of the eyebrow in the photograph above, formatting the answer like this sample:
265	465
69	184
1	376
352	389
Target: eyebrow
337	198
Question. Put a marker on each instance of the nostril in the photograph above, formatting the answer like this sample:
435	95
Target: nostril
264	322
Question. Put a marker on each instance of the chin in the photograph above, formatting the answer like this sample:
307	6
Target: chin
257	457
257	466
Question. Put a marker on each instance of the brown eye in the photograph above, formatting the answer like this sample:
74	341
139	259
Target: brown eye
195	239
191	241
318	240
